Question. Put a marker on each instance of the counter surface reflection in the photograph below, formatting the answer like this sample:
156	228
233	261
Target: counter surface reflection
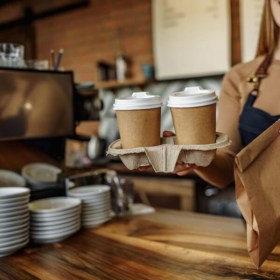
166	244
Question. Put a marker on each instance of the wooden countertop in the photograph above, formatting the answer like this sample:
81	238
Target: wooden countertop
162	245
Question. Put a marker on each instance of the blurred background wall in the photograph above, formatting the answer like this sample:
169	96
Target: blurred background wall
89	31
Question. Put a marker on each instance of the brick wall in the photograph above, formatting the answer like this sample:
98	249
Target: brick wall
99	31
92	33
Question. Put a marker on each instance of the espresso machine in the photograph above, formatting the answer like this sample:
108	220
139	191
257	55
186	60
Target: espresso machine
86	148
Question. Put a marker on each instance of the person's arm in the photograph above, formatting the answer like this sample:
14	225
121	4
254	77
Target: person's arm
220	172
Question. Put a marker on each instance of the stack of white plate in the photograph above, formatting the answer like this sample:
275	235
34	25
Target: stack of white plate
14	219
40	175
11	179
96	204
54	219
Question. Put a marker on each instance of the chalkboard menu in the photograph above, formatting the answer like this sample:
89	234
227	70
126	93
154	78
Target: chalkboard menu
191	38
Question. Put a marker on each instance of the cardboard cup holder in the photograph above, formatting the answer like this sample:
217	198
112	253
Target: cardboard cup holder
164	157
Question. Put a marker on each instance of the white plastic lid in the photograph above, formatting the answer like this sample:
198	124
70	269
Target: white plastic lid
192	97
138	101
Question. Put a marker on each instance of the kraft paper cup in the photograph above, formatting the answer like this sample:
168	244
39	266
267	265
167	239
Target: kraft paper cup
194	116
138	118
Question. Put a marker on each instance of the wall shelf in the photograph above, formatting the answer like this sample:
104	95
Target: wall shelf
119	84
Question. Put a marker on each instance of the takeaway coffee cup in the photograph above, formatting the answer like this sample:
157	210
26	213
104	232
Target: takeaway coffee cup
138	119
194	116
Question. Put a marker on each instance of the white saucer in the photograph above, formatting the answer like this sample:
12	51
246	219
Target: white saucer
18	203
52	238
44	228
41	172
96	199
14	214
53	217
4	230
89	191
14	232
19	199
14	220
14	238
95	223
11	179
6	251
95	212
13	192
12	209
99	204
53	205
55	231
13	242
95	217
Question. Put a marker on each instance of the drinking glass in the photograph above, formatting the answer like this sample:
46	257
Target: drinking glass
11	55
37	64
122	194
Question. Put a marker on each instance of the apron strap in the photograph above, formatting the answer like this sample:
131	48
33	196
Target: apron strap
262	70
260	73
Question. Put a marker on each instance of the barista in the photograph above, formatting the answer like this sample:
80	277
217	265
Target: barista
249	101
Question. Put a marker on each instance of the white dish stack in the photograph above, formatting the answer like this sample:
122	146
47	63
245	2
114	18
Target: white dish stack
96	204
40	175
54	219
11	179
14	219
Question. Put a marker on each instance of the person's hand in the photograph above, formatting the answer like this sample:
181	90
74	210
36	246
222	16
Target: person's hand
168	133
182	169
145	168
